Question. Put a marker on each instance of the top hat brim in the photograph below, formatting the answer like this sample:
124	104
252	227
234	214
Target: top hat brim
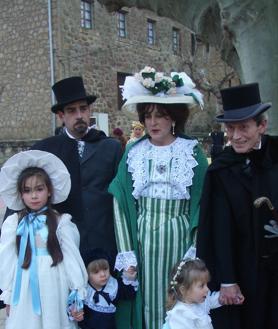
243	113
59	107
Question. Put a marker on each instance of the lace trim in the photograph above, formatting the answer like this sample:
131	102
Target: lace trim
169	168
130	282
111	288
124	260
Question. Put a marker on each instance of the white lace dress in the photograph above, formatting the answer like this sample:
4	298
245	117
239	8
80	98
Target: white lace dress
55	283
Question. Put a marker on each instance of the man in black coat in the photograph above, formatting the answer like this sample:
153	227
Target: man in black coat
236	239
91	159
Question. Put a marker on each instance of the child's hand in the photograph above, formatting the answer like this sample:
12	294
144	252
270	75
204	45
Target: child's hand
77	315
130	273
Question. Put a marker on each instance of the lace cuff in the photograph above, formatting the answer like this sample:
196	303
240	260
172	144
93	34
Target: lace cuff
127	280
124	260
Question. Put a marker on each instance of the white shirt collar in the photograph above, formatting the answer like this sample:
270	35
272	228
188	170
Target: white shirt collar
72	137
258	146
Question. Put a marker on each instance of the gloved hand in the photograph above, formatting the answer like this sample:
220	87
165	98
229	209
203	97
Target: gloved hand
272	228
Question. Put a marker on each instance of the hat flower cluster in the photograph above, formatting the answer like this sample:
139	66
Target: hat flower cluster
157	82
149	82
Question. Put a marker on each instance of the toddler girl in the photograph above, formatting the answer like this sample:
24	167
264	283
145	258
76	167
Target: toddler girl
189	299
40	261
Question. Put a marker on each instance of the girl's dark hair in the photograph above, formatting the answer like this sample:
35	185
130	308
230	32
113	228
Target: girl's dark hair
190	272
53	245
98	265
177	112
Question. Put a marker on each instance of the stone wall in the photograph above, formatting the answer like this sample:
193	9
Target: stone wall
97	54
24	70
9	148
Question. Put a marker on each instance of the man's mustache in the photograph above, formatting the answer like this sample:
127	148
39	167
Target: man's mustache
80	121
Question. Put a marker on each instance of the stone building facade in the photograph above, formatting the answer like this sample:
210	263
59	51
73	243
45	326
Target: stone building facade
38	48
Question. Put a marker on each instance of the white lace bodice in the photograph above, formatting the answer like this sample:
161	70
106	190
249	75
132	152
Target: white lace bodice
162	172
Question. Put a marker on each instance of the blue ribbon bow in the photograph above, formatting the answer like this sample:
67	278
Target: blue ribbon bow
75	300
27	228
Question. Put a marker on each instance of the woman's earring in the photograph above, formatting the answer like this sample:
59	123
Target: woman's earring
173	128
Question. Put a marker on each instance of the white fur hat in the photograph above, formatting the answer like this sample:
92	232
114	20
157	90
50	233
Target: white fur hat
52	165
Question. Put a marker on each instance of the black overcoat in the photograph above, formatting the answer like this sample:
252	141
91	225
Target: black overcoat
231	230
89	202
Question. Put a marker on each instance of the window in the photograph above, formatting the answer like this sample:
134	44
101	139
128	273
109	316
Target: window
193	44
122	24
176	41
86	14
151	32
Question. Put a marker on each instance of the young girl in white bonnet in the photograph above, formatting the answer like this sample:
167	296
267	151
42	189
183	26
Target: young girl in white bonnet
40	261
189	299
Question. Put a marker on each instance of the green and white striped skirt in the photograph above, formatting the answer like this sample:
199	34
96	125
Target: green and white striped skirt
163	235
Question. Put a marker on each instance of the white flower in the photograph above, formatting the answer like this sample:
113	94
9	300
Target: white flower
159	76
147	69
169	80
148	83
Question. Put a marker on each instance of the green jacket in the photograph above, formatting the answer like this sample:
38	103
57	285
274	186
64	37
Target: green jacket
121	188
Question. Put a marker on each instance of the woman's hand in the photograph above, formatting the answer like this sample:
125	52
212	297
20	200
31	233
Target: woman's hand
131	273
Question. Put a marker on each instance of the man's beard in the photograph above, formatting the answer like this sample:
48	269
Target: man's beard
81	128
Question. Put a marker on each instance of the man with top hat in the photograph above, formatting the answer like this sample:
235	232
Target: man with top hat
91	158
238	241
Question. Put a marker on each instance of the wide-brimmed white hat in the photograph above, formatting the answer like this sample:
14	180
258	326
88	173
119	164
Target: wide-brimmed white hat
149	86
51	164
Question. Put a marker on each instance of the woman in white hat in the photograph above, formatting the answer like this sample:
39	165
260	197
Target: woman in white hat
138	131
157	189
40	261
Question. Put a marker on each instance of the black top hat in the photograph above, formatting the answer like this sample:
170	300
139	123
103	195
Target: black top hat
68	91
241	103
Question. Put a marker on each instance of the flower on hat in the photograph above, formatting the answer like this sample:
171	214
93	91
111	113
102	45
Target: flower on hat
150	82
155	82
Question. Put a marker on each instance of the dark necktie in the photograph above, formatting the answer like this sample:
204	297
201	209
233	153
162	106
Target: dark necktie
105	295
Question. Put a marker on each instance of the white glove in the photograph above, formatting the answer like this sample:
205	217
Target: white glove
272	228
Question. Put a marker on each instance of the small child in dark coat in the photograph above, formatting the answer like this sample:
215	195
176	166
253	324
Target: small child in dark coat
104	291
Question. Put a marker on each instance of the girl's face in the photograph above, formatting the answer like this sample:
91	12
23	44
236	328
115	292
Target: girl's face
197	293
138	132
159	126
35	193
98	279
